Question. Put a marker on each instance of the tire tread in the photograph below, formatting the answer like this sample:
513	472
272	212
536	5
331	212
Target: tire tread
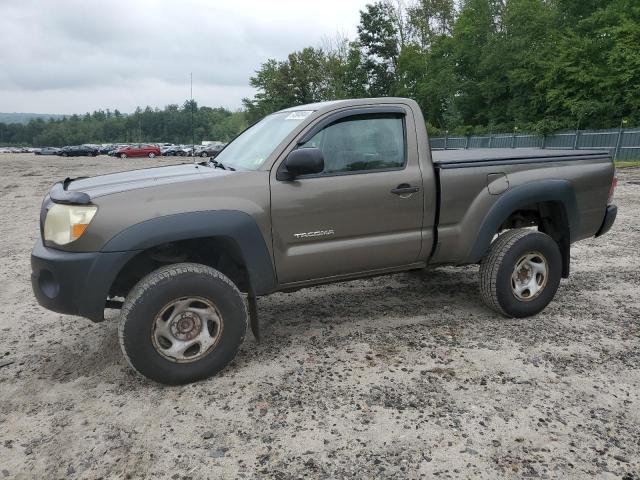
490	265
166	273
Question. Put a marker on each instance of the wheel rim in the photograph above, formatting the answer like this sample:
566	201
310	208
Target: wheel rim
151	155
123	155
187	329
529	276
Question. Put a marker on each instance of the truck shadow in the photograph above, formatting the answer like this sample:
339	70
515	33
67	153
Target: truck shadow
423	293
441	308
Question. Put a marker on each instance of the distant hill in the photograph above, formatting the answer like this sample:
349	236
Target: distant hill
25	117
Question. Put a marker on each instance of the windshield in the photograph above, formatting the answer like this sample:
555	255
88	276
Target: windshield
252	147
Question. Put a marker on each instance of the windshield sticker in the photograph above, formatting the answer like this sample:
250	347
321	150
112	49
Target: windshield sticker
299	115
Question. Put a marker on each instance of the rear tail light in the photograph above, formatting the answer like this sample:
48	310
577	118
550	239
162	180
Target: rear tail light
612	190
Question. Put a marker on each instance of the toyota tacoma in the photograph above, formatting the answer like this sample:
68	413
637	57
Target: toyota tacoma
312	194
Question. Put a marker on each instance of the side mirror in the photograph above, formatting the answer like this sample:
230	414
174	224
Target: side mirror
303	161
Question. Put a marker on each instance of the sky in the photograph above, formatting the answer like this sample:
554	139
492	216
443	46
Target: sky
74	56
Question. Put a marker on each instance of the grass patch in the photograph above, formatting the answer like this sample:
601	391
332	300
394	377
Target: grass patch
628	163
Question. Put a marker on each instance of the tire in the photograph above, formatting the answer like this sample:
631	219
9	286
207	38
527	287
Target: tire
145	317
203	154
65	154
151	155
123	155
521	273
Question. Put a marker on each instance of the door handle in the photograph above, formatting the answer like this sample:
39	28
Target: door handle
405	189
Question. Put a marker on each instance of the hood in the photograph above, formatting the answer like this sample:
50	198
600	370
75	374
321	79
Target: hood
148	177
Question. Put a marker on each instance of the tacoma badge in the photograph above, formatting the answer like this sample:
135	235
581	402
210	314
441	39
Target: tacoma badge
319	233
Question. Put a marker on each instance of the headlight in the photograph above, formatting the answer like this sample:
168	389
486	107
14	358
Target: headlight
66	223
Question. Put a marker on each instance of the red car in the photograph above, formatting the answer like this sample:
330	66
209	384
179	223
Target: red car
138	151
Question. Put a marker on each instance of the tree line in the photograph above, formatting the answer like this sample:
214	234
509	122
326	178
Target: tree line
472	65
170	124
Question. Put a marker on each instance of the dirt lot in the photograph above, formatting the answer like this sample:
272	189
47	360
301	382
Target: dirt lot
406	376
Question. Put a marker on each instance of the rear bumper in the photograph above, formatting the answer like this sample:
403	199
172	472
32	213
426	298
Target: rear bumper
609	218
75	283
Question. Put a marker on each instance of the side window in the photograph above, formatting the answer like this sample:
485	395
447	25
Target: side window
361	143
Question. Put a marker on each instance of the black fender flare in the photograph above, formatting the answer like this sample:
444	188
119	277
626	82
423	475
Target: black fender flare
560	191
233	225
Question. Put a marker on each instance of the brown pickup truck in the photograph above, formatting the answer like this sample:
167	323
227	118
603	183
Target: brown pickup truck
309	195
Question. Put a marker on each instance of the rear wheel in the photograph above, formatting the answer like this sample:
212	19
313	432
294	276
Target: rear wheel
123	155
521	273
151	154
203	154
182	323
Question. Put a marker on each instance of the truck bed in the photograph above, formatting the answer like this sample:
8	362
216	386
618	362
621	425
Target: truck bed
464	177
497	156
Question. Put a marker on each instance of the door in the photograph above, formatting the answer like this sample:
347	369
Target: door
362	213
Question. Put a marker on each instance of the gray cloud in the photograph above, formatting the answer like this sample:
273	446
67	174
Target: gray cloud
78	55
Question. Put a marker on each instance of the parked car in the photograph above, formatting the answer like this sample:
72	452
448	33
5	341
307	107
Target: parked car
78	151
47	151
184	151
105	149
138	151
310	195
210	150
169	150
114	149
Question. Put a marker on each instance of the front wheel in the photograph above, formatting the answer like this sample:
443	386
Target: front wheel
123	155
152	155
182	323
203	154
521	273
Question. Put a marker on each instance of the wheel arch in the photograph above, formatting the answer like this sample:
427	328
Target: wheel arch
555	204
212	238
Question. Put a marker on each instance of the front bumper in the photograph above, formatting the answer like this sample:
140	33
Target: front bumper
609	218
75	283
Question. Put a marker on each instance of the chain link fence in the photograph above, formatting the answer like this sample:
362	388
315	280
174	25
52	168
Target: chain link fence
623	144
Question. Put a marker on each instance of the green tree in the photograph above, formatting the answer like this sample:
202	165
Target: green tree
513	63
431	19
593	79
310	75
378	38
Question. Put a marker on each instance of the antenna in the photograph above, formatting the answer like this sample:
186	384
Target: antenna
193	135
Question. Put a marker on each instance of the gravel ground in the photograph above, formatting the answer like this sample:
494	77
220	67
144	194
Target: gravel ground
405	376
